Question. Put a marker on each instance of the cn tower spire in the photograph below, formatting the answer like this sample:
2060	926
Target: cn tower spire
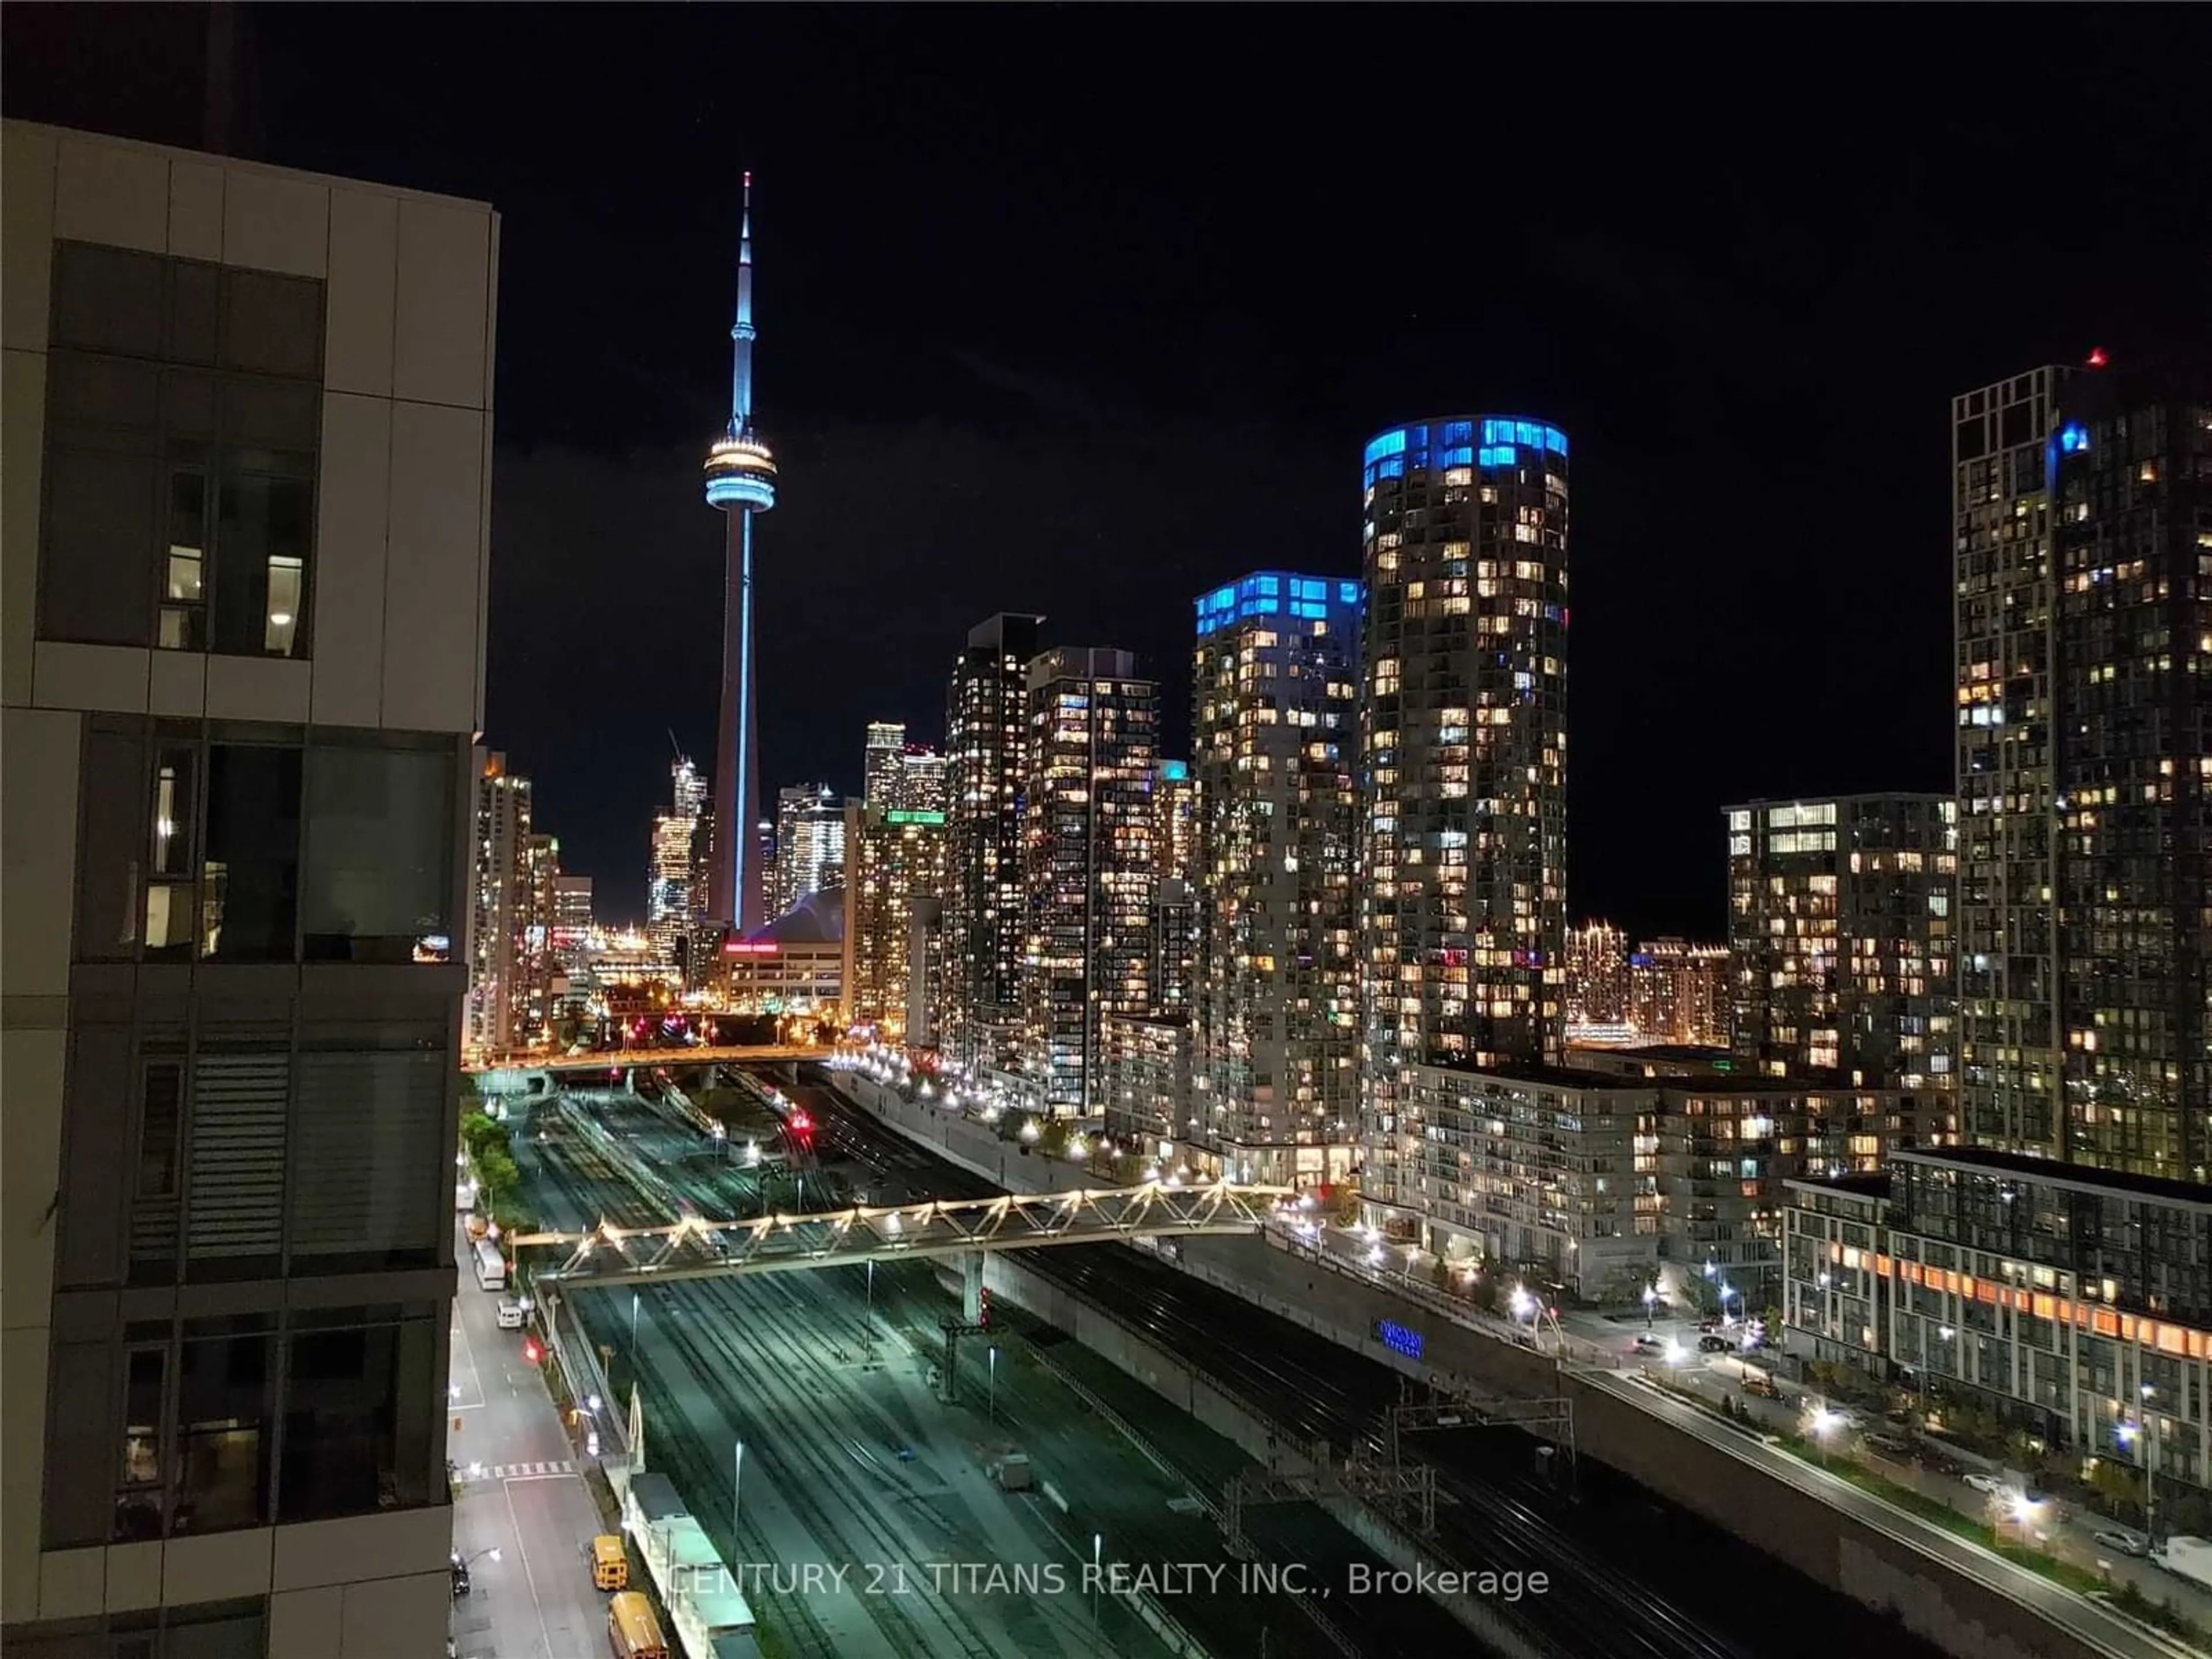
741	332
741	481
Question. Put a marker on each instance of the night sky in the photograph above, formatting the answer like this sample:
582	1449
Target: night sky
1085	310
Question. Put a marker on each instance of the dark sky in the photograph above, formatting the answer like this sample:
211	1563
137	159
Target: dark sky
1082	310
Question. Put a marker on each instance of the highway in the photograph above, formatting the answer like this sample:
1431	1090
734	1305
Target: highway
849	1459
1637	1577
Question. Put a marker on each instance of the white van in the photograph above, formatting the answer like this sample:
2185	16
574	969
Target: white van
510	1313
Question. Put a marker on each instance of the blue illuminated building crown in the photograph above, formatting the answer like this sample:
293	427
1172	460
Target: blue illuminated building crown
1489	442
1277	594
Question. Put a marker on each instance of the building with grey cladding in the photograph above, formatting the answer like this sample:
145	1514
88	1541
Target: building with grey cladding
243	520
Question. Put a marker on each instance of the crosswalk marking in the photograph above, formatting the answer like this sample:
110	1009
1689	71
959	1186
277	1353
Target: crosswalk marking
521	1471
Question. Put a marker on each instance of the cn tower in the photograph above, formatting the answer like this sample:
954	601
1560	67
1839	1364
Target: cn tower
741	481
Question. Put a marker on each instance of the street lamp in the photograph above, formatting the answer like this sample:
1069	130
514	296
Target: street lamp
2150	1467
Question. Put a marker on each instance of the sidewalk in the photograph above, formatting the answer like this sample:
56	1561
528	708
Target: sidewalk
523	1493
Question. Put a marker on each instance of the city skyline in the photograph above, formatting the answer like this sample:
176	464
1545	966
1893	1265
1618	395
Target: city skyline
942	412
1672	921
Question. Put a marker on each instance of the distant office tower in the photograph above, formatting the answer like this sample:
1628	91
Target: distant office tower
986	727
674	907
243	555
921	780
809	843
1841	938
1275	702
572	921
1678	992
501	906
1597	977
687	786
1087	864
1463	918
882	768
896	862
2083	616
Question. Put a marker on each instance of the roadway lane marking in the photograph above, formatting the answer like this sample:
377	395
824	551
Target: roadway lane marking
465	1362
542	1470
544	1632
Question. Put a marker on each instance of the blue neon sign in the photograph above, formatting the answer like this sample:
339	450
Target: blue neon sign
2074	437
1399	1338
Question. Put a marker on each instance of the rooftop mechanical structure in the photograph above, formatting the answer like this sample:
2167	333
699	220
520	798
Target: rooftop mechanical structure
741	482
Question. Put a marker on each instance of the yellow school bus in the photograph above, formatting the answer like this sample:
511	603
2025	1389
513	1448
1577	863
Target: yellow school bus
610	1564
632	1630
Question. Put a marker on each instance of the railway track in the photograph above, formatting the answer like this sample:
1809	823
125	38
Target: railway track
1339	1397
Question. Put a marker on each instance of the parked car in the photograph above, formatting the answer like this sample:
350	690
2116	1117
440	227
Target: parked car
1984	1483
1894	1447
460	1576
1941	1462
511	1312
1713	1344
2126	1543
1760	1383
1709	1324
1648	1345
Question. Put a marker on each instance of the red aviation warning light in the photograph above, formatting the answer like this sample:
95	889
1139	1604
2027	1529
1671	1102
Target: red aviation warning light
2097	357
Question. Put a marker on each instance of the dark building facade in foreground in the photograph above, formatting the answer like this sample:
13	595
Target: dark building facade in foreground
244	539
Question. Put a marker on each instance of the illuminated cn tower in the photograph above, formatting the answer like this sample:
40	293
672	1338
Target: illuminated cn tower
741	481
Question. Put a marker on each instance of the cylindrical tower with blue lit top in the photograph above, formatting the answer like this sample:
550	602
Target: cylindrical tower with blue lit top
741	482
1463	793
